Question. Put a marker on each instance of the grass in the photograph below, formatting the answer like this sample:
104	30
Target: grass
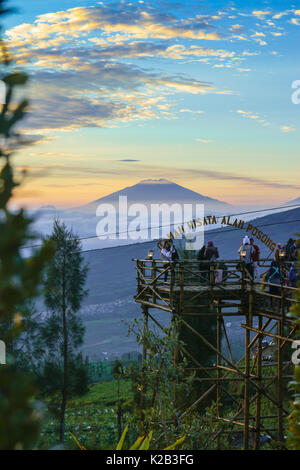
92	418
104	394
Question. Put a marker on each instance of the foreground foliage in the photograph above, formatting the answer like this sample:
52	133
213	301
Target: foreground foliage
19	276
294	437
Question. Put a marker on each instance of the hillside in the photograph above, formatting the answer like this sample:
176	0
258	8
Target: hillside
294	201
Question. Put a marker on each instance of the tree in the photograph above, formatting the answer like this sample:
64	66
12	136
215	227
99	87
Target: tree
20	276
63	369
27	347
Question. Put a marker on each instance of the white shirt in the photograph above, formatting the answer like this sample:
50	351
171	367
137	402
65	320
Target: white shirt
249	250
167	255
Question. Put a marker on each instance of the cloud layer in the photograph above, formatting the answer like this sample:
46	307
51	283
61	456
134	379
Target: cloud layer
96	59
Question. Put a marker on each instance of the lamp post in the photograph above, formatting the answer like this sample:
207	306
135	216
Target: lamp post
282	253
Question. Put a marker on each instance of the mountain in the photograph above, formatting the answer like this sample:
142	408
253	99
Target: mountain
47	210
158	192
293	202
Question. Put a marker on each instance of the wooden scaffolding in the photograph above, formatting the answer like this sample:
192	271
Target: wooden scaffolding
179	289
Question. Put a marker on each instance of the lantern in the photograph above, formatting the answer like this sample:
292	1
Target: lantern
282	253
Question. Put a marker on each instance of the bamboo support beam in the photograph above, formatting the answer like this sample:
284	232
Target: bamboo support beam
185	294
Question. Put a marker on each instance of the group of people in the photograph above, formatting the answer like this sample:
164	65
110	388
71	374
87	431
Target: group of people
291	250
283	268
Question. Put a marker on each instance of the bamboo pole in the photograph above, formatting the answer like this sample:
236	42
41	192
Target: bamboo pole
258	398
279	366
247	366
219	372
154	280
143	378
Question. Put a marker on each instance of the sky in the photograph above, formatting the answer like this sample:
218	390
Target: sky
196	92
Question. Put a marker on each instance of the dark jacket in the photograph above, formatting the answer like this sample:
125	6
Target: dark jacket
211	253
274	275
200	255
294	276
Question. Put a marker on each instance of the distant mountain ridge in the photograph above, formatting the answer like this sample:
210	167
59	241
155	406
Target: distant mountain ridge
158	192
294	201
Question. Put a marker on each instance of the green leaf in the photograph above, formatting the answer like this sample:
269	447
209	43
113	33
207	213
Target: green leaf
120	444
146	443
81	447
176	444
138	442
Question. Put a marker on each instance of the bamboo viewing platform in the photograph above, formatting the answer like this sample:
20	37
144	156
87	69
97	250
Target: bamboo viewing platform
189	288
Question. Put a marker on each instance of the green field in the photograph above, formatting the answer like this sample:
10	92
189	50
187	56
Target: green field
92	418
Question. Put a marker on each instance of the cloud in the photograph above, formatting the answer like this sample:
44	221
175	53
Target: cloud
287	129
261	14
219	175
109	94
247	53
204	141
139	170
236	27
89	58
258	34
251	115
247	114
56	111
131	21
278	16
81	76
295	21
179	51
191	111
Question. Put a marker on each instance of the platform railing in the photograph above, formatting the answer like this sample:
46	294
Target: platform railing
157	280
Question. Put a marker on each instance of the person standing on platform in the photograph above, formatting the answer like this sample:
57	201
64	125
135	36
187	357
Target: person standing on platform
246	251
167	255
255	258
211	252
